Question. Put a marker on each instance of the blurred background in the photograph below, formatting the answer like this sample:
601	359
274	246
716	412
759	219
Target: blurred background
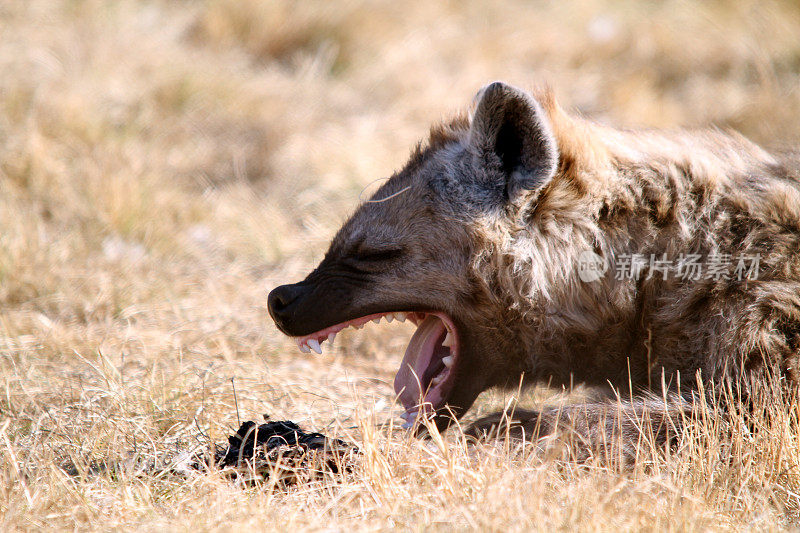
164	164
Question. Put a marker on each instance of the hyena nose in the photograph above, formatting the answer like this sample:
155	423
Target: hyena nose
282	302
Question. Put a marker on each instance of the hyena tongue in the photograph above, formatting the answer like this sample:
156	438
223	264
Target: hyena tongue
417	360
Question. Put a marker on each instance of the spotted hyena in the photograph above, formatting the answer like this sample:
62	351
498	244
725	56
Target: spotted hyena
531	246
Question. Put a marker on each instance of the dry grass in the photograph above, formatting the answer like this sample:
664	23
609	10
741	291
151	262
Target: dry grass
164	164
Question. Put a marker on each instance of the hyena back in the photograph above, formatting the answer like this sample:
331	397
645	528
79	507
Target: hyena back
483	237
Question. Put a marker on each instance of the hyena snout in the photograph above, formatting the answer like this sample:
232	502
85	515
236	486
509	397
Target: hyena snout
283	304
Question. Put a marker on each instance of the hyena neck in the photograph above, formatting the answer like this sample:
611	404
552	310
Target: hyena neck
529	266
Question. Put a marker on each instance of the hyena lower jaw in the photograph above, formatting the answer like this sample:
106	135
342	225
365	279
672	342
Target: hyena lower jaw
427	373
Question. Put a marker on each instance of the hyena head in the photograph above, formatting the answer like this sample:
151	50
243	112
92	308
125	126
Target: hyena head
409	253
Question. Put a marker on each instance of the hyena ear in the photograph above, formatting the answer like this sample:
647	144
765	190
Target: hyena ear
509	127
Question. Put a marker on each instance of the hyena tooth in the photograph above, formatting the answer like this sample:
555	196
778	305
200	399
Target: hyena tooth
377	320
304	348
314	345
448	339
448	361
400	316
331	338
389	318
359	326
438	379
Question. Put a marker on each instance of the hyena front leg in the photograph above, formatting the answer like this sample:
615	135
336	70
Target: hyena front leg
621	430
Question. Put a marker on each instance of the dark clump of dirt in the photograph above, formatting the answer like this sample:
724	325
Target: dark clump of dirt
279	451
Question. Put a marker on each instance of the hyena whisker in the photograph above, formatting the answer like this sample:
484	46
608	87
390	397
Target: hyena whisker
374	201
401	191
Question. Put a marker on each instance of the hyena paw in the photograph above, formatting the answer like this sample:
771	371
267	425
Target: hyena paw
519	424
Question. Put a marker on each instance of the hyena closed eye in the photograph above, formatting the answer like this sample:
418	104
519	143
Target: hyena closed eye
481	238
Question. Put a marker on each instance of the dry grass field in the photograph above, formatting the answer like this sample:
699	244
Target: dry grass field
164	164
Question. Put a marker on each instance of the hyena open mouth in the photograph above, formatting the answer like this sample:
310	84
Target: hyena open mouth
427	373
